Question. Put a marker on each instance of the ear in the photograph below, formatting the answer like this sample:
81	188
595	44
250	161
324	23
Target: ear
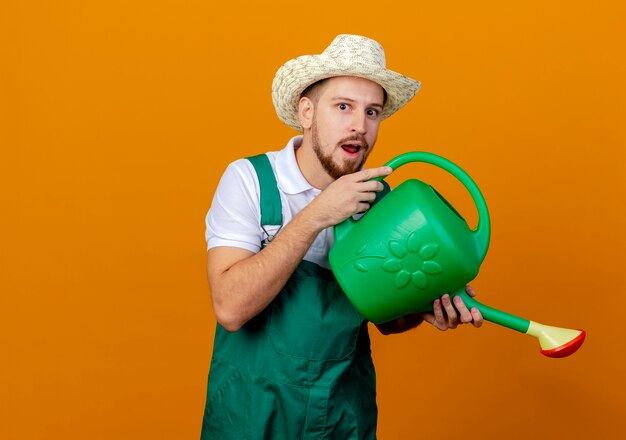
305	112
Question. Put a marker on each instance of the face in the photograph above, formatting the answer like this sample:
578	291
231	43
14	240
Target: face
344	125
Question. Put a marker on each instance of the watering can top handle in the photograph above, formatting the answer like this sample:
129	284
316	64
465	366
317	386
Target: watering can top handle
483	229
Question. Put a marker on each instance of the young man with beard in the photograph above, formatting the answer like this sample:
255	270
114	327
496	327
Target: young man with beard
291	358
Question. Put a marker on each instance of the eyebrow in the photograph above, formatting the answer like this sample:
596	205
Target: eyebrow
342	98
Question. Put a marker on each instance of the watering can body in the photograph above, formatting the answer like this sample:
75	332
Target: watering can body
409	248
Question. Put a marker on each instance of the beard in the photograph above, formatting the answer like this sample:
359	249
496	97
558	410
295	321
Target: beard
334	169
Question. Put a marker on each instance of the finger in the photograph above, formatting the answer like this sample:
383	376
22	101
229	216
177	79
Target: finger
370	173
367	197
440	320
470	291
429	318
477	317
453	318
466	316
371	186
362	207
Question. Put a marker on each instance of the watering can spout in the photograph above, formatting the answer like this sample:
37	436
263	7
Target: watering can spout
555	342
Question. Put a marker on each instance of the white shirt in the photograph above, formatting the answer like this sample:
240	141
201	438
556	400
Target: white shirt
234	217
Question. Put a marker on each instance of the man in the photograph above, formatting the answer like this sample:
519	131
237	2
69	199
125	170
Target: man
291	357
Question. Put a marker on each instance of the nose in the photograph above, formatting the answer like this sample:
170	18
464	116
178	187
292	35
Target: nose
358	123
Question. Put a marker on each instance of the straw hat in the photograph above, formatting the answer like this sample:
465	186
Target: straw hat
347	55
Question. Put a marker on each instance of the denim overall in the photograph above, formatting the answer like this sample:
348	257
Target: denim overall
302	368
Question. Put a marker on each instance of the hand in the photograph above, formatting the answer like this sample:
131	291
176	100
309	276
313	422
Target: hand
447	315
346	196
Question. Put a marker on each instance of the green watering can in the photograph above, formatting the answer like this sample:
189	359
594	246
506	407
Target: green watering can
413	246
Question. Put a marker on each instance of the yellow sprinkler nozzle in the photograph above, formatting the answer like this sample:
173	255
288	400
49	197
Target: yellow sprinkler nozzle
556	342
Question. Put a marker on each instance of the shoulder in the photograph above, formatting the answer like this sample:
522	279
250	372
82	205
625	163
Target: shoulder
239	176
243	168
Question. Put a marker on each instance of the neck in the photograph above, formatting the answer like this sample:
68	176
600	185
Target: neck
310	166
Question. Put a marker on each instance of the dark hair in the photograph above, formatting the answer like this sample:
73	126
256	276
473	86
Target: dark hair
313	91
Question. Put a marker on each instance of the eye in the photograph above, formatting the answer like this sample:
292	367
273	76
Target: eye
372	113
342	106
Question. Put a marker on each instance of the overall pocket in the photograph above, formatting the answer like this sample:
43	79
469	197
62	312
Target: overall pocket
226	398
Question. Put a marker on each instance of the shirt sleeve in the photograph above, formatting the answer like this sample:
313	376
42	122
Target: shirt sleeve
234	216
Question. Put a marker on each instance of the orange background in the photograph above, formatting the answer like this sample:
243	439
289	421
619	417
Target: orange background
117	119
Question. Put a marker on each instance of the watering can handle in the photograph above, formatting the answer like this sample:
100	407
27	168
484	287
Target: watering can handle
482	233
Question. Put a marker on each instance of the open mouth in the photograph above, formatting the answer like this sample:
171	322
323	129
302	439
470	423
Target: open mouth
351	148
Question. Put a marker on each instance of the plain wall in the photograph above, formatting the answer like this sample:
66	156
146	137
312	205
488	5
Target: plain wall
117	119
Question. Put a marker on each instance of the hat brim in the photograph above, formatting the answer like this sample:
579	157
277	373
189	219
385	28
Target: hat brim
296	75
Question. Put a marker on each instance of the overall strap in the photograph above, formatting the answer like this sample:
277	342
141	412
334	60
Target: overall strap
271	206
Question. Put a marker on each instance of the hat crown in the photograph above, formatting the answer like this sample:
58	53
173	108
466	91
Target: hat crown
348	49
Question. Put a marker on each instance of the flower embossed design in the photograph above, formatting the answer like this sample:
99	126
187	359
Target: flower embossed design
413	261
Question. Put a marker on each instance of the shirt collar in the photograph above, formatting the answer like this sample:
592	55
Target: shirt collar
288	174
